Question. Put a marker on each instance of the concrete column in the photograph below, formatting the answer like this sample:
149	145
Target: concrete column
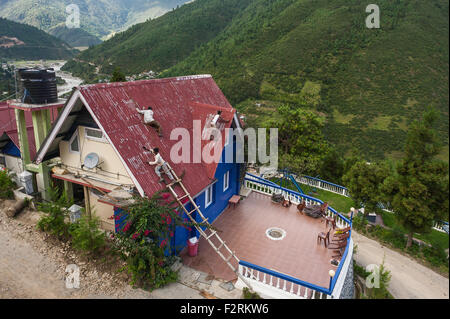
23	137
41	126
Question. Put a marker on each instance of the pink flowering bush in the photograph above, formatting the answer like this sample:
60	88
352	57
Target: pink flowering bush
145	241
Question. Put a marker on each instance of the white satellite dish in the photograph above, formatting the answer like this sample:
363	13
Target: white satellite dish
91	160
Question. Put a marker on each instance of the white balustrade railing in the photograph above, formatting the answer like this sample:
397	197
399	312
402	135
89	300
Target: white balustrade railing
317	183
269	188
441	226
273	284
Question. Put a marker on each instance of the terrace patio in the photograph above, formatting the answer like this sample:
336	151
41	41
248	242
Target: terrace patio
244	227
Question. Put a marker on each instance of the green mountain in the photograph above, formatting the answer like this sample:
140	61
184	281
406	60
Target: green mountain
369	84
99	18
20	41
76	37
161	43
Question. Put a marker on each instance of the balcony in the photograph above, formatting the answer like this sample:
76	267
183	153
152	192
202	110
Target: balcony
294	265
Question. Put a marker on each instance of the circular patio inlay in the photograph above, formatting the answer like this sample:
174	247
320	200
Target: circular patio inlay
275	233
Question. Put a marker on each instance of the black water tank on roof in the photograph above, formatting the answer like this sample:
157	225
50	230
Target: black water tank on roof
38	86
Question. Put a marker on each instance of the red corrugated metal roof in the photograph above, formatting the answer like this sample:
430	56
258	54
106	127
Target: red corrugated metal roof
176	102
8	126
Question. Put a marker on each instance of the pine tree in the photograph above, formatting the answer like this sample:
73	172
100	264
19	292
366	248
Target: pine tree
418	191
118	76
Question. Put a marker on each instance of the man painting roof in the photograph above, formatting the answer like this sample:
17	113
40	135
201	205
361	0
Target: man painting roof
160	163
149	120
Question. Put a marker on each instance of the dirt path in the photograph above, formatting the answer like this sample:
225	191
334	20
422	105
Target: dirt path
410	280
33	266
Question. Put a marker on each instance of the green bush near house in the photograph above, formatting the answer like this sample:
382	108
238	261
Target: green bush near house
247	294
86	235
6	186
145	241
55	214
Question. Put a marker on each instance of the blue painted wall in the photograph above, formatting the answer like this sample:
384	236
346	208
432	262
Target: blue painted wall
220	198
218	205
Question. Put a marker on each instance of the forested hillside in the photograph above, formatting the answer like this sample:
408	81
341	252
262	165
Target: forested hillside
21	41
163	42
369	84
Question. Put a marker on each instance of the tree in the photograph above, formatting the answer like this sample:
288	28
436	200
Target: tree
302	144
363	181
118	76
418	191
332	167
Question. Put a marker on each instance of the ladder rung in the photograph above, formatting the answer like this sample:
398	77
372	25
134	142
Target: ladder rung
189	214
182	197
212	234
229	258
174	182
221	245
205	220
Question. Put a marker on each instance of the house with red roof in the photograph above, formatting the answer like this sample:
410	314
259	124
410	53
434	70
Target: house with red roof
98	147
99	140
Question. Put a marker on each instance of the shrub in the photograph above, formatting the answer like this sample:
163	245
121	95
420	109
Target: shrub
247	294
381	292
435	254
6	186
375	293
398	238
360	223
55	214
86	235
144	242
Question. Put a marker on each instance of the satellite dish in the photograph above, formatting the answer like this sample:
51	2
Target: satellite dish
91	161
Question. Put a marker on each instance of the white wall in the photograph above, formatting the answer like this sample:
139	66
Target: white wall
13	164
112	170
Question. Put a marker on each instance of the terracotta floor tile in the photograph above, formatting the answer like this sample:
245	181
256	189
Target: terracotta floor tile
244	230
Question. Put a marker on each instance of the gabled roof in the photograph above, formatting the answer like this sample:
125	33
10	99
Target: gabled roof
176	102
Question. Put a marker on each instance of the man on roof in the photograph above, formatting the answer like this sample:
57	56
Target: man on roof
216	119
160	163
149	120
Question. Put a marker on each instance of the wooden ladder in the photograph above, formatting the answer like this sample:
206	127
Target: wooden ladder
226	254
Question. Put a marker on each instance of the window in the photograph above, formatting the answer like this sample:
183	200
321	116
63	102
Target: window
226	181
209	194
74	143
3	161
94	134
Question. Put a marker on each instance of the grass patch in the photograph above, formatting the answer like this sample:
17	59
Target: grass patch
340	203
432	238
381	123
341	118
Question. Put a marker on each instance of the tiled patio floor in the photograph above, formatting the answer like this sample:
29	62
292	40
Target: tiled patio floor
244	229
